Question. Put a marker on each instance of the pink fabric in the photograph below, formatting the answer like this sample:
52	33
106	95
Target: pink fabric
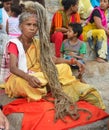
14	35
103	20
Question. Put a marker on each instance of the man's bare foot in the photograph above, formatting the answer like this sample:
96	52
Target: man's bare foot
100	60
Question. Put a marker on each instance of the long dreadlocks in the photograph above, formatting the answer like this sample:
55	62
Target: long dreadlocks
64	105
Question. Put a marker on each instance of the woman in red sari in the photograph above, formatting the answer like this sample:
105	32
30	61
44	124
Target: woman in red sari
60	22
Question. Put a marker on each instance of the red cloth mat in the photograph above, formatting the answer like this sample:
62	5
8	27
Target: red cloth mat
37	115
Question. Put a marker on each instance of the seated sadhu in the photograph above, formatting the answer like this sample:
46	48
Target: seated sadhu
32	69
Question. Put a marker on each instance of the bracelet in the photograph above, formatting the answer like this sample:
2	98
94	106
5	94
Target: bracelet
1	107
72	61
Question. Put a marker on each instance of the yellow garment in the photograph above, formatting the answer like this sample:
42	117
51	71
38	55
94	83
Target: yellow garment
97	36
16	86
85	8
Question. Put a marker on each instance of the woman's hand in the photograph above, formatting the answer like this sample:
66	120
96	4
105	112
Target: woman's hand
34	82
4	124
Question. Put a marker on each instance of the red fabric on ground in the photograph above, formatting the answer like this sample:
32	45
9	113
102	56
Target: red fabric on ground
38	116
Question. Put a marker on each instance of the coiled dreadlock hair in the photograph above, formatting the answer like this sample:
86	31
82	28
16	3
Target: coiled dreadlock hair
64	105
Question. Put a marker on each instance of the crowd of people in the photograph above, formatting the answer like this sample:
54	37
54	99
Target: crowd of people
32	71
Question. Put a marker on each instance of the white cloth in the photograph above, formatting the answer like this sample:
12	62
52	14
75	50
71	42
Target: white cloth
13	27
22	63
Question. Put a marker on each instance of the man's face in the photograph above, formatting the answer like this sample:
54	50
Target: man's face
75	8
7	5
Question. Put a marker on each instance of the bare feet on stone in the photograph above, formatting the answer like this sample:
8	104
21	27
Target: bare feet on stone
100	60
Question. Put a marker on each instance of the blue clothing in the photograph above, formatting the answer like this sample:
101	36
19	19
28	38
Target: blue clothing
1	20
95	3
79	60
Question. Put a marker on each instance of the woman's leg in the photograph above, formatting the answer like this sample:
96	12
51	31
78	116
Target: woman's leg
77	90
108	53
98	40
18	87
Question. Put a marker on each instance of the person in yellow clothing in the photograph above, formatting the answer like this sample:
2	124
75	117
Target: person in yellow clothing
33	72
85	8
96	31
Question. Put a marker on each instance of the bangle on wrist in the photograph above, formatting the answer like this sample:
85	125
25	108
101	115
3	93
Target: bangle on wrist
72	61
1	107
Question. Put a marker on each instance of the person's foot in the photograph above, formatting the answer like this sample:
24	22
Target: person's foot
100	60
81	79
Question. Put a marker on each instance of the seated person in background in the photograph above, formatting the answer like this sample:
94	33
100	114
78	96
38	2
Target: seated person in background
4	124
107	17
60	21
12	25
73	47
4	14
95	32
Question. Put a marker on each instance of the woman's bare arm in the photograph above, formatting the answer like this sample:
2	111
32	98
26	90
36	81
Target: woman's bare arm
33	81
99	25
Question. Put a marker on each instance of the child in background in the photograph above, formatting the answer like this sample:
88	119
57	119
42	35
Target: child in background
12	26
4	14
73	47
